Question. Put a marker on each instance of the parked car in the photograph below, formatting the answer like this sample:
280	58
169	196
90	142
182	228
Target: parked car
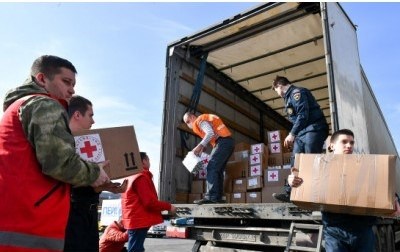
158	230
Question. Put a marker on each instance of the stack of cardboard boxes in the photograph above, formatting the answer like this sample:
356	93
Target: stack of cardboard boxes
253	172
198	186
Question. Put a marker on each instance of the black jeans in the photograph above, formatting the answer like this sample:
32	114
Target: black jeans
82	232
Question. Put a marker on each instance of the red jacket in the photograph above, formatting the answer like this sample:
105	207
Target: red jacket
37	220
140	205
113	239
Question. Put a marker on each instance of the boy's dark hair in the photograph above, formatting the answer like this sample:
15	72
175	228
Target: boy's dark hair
280	80
143	155
336	134
78	103
50	65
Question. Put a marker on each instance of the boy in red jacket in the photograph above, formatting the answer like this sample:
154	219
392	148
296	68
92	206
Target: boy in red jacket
141	208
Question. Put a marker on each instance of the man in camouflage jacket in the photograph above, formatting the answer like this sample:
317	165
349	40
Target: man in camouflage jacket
38	162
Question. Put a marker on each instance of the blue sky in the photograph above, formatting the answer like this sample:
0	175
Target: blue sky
119	50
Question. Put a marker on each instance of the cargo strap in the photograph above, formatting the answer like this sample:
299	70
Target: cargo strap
194	100
297	226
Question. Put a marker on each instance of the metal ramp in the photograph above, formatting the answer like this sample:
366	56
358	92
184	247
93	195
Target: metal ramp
301	226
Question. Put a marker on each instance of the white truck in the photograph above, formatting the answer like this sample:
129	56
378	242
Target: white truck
227	69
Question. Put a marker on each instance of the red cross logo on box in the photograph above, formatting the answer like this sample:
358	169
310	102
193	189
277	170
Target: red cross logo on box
273	176
89	148
203	174
255	159
255	170
275	148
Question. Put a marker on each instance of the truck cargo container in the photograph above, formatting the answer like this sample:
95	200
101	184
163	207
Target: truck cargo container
227	69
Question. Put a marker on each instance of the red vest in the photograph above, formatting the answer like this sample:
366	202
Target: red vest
218	126
134	213
33	207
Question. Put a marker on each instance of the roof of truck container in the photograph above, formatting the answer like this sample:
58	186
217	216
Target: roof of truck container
248	48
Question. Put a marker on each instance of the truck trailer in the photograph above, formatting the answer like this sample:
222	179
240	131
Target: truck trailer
227	69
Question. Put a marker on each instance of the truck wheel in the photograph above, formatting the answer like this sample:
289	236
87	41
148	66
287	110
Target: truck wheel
378	240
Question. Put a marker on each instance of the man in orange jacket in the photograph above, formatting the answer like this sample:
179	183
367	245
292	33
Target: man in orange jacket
212	130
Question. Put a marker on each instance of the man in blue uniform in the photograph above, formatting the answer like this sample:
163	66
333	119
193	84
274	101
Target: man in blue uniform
309	129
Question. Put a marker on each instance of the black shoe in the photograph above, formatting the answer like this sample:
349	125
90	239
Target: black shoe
284	197
204	201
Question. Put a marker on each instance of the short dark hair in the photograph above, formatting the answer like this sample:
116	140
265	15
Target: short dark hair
78	103
143	155
336	134
280	80
50	65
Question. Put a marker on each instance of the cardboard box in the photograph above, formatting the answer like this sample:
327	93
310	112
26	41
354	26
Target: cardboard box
194	196
239	185
287	160
258	159
227	197
241	147
237	169
277	136
259	148
254	183
202	174
228	185
266	194
275	161
238	197
197	186
275	148
253	197
256	170
118	144
353	184
275	177
181	198
241	155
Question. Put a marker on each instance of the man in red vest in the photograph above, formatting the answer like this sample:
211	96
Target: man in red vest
38	162
212	130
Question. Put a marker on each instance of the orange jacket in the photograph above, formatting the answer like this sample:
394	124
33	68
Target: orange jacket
140	205
34	207
220	130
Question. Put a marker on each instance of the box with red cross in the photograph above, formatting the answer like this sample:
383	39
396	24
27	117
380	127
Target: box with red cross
275	148
205	158
277	136
258	159
275	177
256	170
117	144
259	148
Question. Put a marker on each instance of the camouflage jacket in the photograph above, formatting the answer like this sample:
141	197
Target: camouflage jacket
45	124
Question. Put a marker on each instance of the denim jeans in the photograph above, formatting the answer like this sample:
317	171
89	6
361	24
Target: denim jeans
310	142
344	240
136	239
216	166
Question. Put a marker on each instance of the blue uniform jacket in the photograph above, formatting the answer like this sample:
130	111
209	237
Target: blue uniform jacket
303	111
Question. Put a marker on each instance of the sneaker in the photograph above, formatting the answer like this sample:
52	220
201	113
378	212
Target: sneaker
284	197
